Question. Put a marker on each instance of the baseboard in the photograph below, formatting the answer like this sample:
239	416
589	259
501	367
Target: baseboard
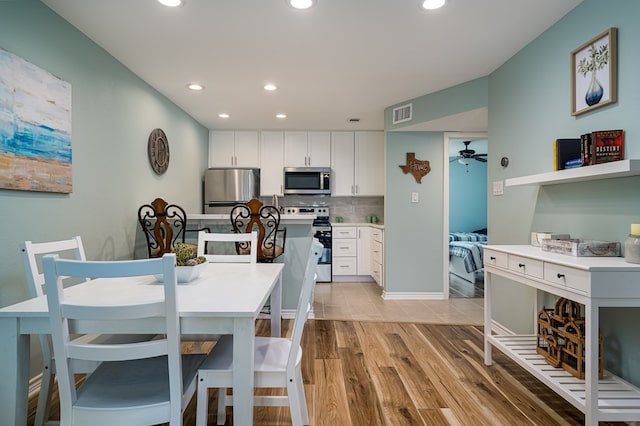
413	296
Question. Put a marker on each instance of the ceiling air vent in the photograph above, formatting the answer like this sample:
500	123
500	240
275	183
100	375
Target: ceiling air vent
402	113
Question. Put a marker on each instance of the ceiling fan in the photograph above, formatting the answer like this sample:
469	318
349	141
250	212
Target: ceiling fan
467	154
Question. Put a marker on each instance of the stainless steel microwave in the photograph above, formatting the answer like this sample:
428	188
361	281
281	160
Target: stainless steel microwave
307	180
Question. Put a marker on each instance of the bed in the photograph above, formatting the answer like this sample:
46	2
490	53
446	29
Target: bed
465	255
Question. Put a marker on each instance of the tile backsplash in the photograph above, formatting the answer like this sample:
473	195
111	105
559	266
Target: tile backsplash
352	209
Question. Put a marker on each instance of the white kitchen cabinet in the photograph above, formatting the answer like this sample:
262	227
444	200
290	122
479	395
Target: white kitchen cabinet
364	250
344	250
351	252
271	162
357	162
342	163
377	255
307	149
228	148
369	163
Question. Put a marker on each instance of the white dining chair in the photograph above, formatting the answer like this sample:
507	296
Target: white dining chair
276	362
242	239
139	383
32	254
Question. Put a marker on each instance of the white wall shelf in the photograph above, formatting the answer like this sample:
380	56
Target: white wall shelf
613	169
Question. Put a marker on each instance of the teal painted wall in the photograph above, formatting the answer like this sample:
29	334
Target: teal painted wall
461	98
467	196
113	113
414	231
529	107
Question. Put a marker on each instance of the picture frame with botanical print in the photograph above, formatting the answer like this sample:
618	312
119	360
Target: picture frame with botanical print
594	73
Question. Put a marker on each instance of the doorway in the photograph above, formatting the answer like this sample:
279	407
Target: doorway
465	213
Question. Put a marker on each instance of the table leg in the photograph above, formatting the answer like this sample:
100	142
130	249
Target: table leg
487	318
243	350
591	362
14	370
276	308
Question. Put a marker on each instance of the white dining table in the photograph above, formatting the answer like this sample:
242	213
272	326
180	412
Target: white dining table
225	299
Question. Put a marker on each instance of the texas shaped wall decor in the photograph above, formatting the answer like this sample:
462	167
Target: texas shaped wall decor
418	168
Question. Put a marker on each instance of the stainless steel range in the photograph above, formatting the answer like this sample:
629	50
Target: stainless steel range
321	229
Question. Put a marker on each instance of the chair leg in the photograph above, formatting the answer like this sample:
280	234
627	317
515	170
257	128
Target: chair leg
297	401
44	398
222	406
202	403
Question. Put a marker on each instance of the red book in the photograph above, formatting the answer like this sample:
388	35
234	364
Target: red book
607	146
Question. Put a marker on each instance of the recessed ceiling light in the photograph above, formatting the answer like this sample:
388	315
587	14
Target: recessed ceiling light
195	86
223	115
170	3
281	115
301	4
433	4
270	87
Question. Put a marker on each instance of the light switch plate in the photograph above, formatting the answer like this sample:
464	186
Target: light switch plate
498	187
414	197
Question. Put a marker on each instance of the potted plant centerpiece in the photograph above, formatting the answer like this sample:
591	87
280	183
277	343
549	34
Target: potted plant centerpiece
188	265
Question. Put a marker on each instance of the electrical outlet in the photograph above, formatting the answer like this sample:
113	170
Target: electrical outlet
414	197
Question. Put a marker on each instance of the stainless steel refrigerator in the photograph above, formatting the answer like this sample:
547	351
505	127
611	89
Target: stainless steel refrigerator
225	187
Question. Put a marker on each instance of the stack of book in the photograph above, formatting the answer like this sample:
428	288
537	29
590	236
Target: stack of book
601	146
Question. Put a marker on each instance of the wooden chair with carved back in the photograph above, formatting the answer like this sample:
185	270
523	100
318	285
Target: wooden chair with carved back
265	219
163	225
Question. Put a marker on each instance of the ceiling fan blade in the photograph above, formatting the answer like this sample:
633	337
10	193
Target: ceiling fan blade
480	159
482	155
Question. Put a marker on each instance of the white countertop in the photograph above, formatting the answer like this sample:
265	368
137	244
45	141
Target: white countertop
373	225
284	219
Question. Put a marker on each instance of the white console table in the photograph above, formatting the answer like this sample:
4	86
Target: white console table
594	282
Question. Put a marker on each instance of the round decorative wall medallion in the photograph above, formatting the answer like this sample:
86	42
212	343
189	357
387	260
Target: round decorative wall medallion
158	148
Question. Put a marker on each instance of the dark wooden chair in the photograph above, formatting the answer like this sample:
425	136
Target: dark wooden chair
265	219
163	225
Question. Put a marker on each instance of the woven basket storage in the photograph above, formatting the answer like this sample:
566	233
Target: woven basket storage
561	338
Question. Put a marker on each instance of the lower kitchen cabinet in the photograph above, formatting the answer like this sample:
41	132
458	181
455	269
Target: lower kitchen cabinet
377	255
352	253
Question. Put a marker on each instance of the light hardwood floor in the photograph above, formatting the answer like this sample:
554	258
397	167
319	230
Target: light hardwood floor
373	362
362	301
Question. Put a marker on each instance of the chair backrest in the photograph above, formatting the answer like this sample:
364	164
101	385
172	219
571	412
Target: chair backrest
304	304
245	246
32	257
163	225
253	215
60	312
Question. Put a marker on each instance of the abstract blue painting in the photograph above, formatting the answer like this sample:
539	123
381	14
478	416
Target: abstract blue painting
35	128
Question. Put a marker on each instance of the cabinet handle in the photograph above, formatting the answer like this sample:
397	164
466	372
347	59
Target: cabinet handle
521	265
492	258
559	275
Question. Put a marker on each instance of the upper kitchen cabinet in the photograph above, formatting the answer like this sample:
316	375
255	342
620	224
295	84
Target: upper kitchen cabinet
307	149
229	148
357	163
271	162
369	164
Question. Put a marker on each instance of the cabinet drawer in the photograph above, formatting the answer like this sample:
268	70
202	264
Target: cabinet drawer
496	259
376	272
376	234
564	276
342	247
376	252
344	266
525	265
344	232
